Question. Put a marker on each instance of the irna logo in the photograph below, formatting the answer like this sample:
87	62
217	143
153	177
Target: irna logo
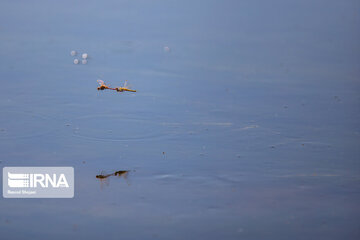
19	180
38	182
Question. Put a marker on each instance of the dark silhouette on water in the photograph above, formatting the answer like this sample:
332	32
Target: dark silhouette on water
104	178
122	173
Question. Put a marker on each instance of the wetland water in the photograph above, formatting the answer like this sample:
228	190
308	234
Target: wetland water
245	127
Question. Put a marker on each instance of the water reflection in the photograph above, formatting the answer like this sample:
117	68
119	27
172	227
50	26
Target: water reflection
104	178
122	173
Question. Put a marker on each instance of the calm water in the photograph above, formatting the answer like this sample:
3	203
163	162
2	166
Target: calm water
248	128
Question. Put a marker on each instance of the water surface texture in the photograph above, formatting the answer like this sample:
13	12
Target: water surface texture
245	123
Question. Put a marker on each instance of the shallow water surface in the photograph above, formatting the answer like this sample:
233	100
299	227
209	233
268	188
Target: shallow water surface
245	127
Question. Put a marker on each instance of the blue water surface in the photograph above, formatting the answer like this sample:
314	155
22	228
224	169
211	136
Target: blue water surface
245	127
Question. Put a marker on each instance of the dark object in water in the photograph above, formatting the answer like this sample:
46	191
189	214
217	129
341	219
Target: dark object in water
117	173
120	173
104	178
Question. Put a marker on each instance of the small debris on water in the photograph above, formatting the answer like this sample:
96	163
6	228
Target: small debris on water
83	57
167	49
